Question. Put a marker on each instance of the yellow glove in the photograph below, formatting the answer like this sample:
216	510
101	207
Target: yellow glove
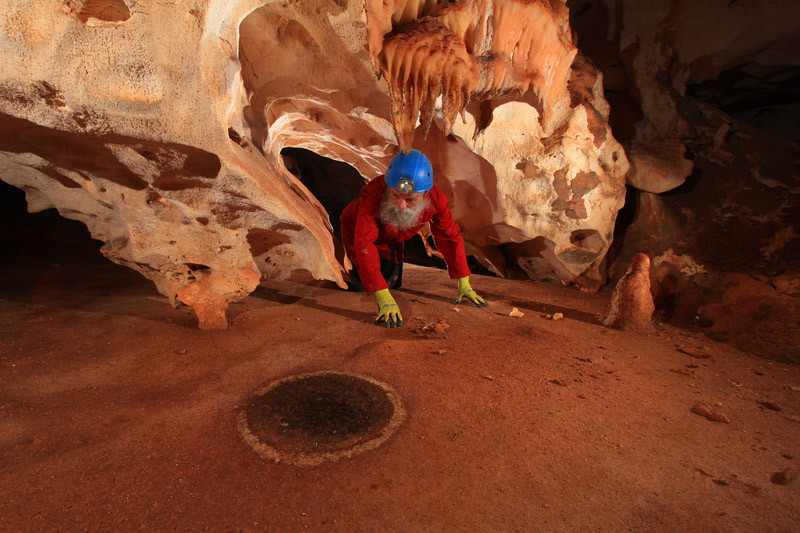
388	309
465	290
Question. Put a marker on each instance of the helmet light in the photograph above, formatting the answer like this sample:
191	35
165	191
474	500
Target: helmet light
405	186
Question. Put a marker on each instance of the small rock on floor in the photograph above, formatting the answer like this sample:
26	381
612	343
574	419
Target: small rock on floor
698	352
766	404
710	413
784	477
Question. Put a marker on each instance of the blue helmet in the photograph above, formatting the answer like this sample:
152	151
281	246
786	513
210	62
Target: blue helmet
411	172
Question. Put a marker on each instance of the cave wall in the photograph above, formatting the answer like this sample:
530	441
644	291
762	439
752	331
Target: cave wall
161	127
696	89
127	117
164	128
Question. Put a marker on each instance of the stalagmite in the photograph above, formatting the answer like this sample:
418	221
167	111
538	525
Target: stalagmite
632	304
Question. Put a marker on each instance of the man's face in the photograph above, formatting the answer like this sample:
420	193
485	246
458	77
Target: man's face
405	200
402	210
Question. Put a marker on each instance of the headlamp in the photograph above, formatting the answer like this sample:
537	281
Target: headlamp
405	186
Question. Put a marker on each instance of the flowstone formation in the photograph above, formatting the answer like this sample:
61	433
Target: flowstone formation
468	51
173	131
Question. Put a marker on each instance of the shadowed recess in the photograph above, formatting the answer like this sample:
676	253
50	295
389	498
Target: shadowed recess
334	183
90	154
262	240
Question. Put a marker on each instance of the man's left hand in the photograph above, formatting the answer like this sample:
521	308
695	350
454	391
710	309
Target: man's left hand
464	290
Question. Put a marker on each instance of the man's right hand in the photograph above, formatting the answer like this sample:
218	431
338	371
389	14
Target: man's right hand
388	309
465	291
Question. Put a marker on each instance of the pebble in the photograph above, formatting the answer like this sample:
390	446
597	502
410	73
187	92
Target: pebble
710	413
697	352
784	477
766	404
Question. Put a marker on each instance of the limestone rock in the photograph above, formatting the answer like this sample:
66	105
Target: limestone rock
784	477
787	284
719	78
658	167
146	145
474	50
699	74
632	304
178	158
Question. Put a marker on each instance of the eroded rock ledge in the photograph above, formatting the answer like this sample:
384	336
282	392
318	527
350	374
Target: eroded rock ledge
212	144
172	155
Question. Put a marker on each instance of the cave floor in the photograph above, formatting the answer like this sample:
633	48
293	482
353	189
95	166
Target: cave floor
117	413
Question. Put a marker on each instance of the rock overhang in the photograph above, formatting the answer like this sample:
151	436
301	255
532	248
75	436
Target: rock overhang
198	175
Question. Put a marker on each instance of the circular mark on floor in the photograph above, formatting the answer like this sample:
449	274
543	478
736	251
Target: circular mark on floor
308	419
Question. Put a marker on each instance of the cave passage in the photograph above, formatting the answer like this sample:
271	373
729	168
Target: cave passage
766	97
42	236
334	183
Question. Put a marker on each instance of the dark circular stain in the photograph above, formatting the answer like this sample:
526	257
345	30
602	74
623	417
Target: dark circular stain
314	417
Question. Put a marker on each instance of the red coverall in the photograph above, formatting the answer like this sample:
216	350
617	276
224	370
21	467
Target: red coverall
366	239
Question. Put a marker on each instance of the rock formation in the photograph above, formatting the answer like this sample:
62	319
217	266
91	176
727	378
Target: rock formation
131	122
632	304
212	143
722	101
703	95
168	130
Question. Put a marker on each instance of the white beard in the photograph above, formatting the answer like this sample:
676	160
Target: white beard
402	219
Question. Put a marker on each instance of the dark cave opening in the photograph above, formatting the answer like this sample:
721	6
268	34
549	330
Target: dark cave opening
44	235
334	183
767	98
49	258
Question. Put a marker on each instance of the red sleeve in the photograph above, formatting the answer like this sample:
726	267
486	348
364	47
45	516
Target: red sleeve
447	236
365	235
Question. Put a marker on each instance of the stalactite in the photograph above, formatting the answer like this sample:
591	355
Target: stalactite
421	64
474	50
